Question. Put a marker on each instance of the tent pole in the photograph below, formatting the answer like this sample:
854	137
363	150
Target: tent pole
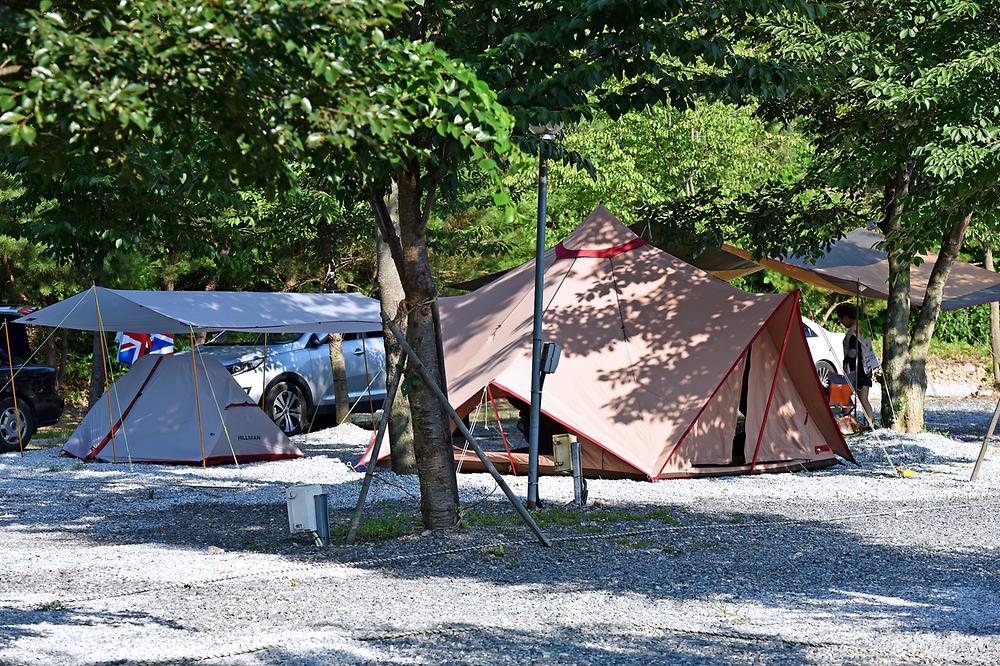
13	389
774	381
197	399
107	375
503	435
986	442
263	372
368	379
390	397
421	369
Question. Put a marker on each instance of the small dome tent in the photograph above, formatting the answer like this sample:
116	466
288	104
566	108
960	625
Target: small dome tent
158	412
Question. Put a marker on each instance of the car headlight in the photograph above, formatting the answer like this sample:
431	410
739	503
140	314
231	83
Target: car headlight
240	367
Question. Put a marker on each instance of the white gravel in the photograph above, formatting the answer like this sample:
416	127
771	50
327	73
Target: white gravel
173	564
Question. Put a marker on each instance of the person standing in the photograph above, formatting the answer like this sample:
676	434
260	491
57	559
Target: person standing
855	359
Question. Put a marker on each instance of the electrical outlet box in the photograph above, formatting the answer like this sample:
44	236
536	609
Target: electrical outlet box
562	458
301	504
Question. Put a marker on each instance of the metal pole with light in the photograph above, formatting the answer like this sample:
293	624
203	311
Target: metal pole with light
544	134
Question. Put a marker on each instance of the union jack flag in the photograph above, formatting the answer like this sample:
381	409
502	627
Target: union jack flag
133	345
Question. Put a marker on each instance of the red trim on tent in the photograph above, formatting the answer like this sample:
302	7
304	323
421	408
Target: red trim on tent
121	419
563	252
219	460
774	380
717	388
833	421
503	435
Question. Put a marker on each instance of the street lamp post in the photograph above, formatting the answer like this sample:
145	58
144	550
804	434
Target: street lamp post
545	134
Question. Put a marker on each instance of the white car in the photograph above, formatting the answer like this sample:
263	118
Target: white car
827	349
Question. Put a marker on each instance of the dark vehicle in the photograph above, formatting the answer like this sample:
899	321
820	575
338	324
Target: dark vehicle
38	401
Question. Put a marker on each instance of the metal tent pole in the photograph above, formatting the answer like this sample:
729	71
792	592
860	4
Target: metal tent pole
986	442
428	381
397	375
536	331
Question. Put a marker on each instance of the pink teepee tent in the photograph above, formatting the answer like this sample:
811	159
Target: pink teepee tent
663	366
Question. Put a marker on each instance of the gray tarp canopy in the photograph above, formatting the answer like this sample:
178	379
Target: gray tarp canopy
182	311
855	265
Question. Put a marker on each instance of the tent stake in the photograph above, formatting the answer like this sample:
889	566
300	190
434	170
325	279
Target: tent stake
390	397
986	442
421	369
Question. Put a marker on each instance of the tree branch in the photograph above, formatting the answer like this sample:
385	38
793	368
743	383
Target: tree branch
387	229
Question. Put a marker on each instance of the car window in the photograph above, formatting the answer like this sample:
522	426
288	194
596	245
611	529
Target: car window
357	336
252	338
808	331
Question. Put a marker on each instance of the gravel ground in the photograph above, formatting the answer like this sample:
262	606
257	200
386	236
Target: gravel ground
175	564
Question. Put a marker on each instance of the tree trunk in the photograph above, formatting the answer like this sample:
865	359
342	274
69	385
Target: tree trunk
920	341
339	368
431	429
168	281
63	356
404	459
50	352
98	378
994	324
895	343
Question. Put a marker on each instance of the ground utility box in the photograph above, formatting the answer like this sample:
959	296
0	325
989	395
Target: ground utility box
301	503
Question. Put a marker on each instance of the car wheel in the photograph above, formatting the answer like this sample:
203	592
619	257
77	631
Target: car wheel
9	421
288	407
824	369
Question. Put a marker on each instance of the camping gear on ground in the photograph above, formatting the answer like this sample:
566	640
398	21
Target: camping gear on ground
658	357
177	410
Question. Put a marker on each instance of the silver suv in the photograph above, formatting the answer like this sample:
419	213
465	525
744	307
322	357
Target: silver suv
297	382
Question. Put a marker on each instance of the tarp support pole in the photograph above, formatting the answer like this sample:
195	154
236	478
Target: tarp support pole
13	389
368	379
986	442
107	375
774	381
390	397
197	398
263	372
421	369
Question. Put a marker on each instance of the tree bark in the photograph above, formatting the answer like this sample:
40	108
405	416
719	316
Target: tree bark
920	341
431	429
98	378
404	459
994	323
896	342
338	367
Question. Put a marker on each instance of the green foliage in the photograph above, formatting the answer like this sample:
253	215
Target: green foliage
970	326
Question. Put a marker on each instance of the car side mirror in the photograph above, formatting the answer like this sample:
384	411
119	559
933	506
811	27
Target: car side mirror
318	341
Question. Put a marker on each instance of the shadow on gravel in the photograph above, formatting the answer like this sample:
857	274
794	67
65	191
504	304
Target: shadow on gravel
594	643
870	455
737	563
16	623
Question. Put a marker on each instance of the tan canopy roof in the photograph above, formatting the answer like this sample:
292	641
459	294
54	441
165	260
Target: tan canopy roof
855	265
658	357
